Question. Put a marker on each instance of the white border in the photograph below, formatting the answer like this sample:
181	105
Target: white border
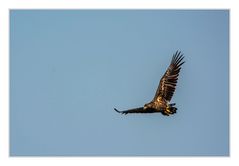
119	4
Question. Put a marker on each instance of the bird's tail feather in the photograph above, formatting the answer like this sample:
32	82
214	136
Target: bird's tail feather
172	104
173	110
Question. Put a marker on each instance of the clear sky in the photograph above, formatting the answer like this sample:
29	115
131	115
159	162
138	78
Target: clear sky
70	68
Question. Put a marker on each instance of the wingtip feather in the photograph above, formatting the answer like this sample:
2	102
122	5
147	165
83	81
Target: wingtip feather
117	110
121	112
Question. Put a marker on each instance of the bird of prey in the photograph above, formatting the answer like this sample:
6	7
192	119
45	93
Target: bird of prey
161	101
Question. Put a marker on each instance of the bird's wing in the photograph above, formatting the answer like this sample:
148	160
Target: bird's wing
135	110
168	82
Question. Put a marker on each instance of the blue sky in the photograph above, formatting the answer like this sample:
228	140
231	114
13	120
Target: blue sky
70	68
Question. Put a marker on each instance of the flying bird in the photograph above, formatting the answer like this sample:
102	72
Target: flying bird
167	85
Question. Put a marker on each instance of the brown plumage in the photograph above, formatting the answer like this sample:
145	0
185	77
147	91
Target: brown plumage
165	91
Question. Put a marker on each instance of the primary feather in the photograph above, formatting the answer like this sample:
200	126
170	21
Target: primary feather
168	82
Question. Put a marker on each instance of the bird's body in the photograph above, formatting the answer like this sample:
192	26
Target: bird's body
164	93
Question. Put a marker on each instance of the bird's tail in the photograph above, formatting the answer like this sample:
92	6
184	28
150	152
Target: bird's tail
172	104
173	110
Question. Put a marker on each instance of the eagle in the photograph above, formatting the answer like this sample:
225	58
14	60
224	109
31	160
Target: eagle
167	85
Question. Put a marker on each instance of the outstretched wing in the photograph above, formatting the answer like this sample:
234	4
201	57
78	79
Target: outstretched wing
168	82
135	110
